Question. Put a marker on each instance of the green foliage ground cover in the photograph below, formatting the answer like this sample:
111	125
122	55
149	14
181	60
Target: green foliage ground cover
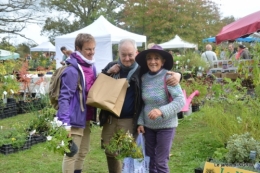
192	145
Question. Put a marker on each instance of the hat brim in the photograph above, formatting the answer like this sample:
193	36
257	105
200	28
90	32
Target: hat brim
141	59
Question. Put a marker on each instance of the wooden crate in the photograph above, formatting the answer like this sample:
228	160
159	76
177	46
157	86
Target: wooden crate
230	75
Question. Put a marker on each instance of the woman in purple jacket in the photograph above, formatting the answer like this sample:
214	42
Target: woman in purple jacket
77	120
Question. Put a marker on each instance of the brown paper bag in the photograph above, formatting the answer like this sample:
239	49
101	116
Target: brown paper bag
108	93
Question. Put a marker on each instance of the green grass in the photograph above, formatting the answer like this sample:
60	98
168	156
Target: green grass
192	145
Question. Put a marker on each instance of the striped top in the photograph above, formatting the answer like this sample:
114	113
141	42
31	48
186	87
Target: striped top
154	96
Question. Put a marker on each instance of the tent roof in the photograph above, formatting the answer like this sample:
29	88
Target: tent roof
6	55
177	42
246	39
240	28
101	28
44	47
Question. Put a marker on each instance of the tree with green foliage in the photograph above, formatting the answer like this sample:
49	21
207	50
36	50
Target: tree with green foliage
161	20
81	13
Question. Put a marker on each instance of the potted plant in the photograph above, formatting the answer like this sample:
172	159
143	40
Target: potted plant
200	168
200	85
239	147
24	79
11	85
40	122
191	63
13	139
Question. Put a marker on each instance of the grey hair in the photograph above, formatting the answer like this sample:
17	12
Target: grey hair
129	40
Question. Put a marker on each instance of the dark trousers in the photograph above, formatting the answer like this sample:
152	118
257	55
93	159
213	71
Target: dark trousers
158	143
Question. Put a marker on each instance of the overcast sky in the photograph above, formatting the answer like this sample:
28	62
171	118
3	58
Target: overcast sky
237	8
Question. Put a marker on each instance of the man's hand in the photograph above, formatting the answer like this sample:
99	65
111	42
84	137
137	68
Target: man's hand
153	114
114	69
69	133
140	129
174	79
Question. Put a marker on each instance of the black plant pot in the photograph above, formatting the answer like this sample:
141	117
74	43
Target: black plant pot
180	115
40	74
198	170
187	76
18	77
32	69
195	108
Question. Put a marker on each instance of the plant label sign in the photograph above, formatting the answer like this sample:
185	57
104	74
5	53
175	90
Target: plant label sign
214	168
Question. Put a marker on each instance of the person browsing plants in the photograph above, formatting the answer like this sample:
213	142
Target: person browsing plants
125	67
75	116
158	118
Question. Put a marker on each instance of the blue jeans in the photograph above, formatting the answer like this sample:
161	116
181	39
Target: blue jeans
158	143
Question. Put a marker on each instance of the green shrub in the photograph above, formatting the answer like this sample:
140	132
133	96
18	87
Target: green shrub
239	147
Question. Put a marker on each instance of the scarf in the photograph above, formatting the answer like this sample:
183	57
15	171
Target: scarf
131	69
239	54
90	62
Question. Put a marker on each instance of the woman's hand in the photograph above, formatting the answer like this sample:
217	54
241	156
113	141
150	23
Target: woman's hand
174	79
114	69
153	114
140	129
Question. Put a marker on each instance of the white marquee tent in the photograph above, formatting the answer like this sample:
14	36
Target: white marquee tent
105	35
6	55
177	42
44	47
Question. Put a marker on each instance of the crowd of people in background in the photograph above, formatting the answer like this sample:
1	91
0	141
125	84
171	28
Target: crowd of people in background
232	52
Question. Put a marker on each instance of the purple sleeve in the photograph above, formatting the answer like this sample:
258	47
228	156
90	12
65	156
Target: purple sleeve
69	81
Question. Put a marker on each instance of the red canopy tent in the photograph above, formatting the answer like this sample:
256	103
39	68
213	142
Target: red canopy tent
242	27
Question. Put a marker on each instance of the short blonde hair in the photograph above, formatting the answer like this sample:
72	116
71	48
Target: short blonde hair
208	47
81	39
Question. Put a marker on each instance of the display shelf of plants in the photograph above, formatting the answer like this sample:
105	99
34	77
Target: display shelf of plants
13	108
20	137
9	148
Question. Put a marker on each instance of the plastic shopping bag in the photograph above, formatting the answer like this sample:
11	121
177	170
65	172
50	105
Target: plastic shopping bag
131	165
128	165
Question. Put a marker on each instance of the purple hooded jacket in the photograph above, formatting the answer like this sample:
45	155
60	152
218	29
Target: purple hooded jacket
69	105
